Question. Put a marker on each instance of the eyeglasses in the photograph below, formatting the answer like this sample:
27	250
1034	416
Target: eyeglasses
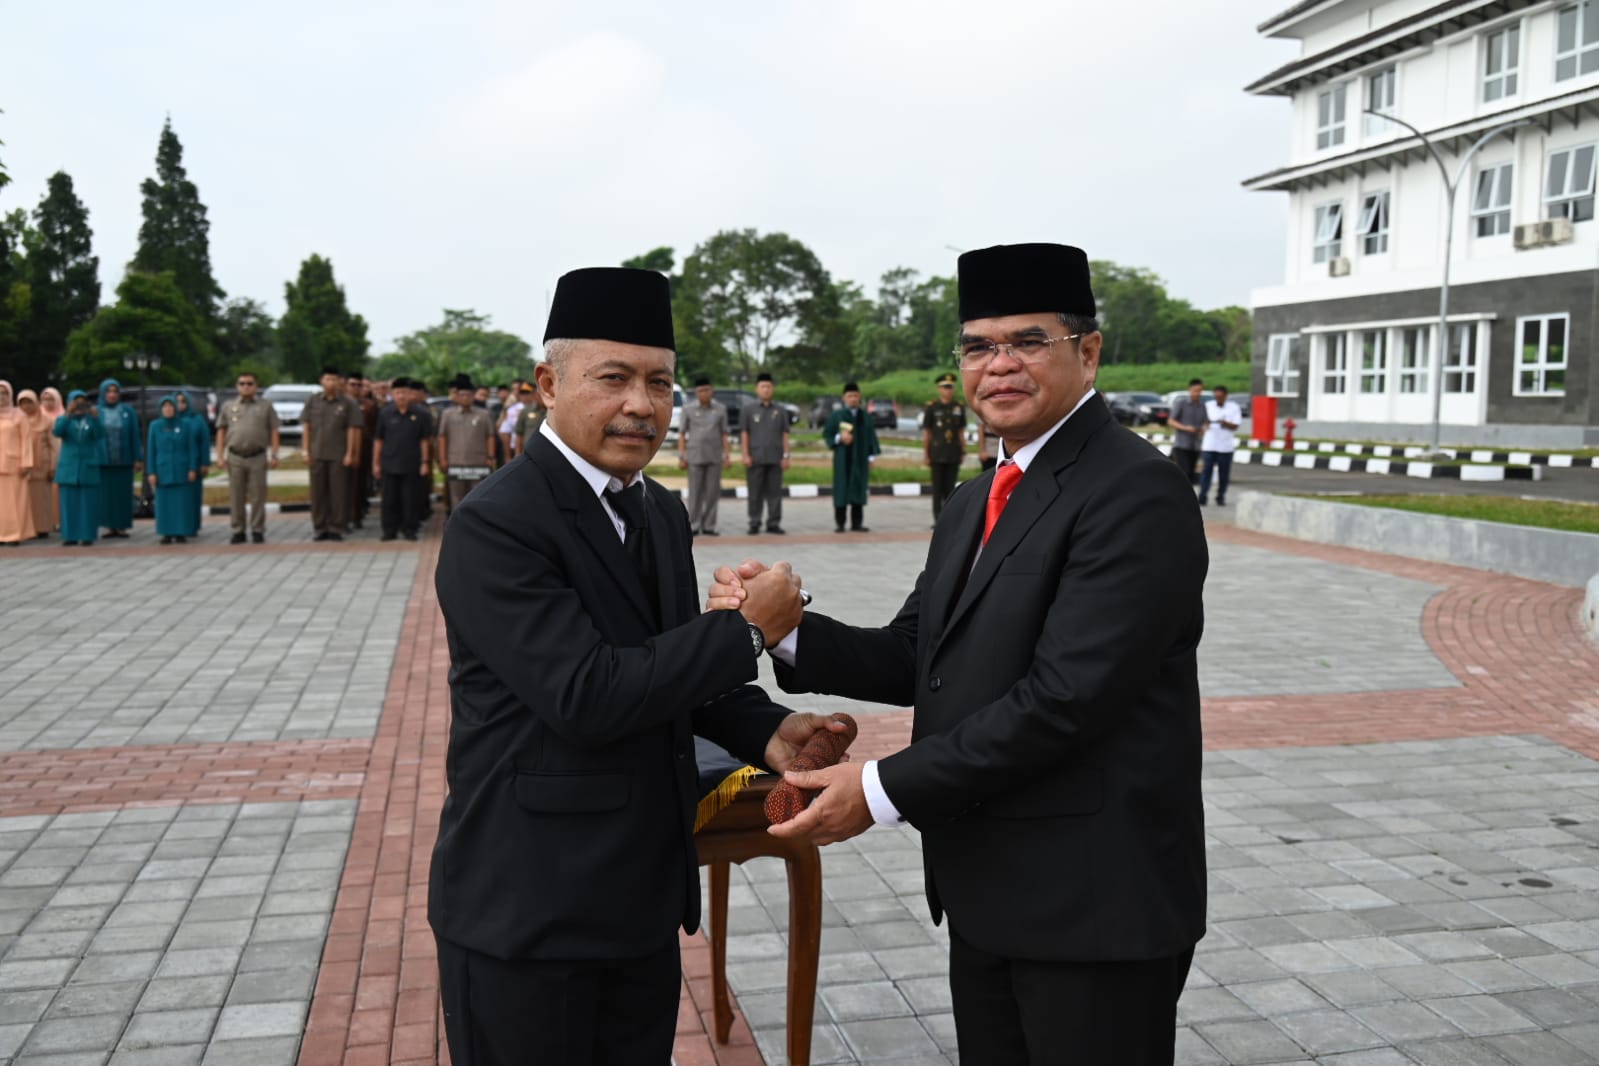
1030	350
245	383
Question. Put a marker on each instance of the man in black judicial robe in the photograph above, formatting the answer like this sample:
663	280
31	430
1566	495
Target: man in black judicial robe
581	669
1049	651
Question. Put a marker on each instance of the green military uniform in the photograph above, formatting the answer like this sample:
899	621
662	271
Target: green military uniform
944	443
851	463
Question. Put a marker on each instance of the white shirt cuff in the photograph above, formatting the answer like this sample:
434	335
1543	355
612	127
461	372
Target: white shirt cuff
785	650
883	810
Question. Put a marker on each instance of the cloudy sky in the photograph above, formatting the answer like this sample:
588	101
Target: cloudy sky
465	155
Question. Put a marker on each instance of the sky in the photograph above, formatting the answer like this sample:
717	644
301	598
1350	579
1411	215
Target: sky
466	155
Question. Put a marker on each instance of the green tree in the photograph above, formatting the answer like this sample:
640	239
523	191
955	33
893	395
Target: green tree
745	293
1236	328
151	315
1130	300
247	339
15	298
63	276
5	179
661	259
464	343
175	235
317	327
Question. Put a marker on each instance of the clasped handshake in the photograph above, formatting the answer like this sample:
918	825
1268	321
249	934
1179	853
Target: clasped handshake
767	596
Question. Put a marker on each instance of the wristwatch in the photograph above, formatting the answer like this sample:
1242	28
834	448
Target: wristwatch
757	638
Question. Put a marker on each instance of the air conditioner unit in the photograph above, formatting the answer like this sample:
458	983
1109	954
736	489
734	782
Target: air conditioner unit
1555	231
1525	236
1338	266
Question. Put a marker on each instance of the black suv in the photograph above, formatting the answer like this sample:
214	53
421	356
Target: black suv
823	406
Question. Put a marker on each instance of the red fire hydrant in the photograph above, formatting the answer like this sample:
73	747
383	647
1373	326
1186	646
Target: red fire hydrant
1288	434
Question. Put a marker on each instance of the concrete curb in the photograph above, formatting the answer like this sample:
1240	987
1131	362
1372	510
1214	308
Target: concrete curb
1590	609
1408	451
1551	555
1349	464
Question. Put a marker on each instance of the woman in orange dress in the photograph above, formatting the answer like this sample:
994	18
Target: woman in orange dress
41	500
16	463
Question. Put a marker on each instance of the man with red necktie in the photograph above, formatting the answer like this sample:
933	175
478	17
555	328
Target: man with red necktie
1049	651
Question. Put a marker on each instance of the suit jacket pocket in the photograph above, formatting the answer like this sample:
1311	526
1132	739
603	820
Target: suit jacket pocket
570	793
1078	791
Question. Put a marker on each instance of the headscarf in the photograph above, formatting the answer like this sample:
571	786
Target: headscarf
50	403
109	383
38	420
8	409
169	398
74	394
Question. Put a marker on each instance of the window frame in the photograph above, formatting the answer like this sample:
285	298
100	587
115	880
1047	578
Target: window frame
1334	367
1334	131
1373	362
1580	201
1504	83
1388	77
1415	350
1323	251
1579	53
1373	225
1495	217
1544	365
1282	376
1463	368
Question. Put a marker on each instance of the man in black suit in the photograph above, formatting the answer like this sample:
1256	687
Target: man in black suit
1049	651
581	670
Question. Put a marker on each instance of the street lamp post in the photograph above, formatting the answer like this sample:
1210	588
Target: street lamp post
1451	184
143	362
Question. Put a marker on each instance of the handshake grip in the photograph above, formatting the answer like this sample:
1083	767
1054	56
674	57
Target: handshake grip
824	749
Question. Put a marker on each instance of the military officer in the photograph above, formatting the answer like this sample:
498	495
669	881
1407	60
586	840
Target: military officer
944	440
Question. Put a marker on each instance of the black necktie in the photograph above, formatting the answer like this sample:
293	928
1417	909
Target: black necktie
628	503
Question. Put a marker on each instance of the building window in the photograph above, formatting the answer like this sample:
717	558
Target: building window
1577	40
1374	223
1460	361
1490	204
1329	232
1541	358
1282	377
1335	363
1501	63
1330	117
1569	193
1381	96
1413	359
1373	361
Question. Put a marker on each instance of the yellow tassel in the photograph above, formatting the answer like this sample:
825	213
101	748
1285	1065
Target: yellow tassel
717	801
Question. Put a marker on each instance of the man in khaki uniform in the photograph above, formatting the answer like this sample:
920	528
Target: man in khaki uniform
466	442
332	425
702	451
247	445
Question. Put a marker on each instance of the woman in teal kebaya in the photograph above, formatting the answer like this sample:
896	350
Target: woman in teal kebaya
172	455
78	470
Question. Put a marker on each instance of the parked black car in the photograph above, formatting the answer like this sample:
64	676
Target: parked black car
885	413
821	407
1122	408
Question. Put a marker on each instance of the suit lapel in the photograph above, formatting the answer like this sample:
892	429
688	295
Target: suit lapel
1038	489
573	496
963	524
663	542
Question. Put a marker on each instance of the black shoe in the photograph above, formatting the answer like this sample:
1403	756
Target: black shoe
1202	501
181	540
775	529
387	536
166	540
860	529
41	536
115	534
259	538
754	530
357	523
709	533
838	529
1220	502
237	538
335	536
410	536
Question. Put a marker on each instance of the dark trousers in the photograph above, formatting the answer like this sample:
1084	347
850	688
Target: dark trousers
360	477
330	495
1221	464
857	516
944	475
1187	459
402	503
526	1013
765	481
1022	1012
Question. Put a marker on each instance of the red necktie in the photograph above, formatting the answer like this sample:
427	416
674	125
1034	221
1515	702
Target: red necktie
1005	479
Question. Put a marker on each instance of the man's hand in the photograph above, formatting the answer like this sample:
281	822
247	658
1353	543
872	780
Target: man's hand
727	589
350	460
377	472
772	602
222	460
682	461
272	462
793	733
748	461
840	812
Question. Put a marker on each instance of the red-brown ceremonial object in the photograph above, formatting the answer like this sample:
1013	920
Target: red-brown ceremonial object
824	749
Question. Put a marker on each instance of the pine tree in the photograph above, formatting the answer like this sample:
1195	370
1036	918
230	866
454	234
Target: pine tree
63	277
317	327
175	235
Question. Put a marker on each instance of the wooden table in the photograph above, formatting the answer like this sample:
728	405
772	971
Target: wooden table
738	834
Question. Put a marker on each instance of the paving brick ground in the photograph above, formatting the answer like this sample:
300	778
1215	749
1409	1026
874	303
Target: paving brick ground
1401	799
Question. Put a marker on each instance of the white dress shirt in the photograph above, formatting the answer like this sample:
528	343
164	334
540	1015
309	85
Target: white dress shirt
883	810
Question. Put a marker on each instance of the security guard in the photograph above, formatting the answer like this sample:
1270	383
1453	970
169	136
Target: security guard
944	440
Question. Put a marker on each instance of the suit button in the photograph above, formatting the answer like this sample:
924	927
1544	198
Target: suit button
935	683
682	755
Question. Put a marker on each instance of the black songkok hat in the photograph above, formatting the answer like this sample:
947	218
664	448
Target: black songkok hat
762	376
701	380
850	386
612	304
335	371
1024	279
461	381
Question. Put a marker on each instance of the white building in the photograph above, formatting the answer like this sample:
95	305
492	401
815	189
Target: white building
1350	337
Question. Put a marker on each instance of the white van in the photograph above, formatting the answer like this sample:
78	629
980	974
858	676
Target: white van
674	427
288	401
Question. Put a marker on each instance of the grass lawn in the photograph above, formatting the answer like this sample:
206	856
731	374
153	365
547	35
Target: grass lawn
1545	514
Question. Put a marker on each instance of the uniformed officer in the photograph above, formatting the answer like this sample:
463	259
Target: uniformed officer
401	451
944	440
763	431
247	445
331	422
360	477
702	451
466	442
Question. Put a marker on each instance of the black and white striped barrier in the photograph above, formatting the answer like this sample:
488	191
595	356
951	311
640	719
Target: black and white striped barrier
1409	451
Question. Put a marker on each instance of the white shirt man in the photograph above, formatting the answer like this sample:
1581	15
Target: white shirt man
1221	438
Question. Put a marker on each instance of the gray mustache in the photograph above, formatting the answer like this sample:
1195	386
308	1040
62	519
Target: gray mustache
641	429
